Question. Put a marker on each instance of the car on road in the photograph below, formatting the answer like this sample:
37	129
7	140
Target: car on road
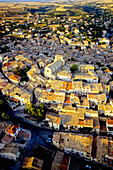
48	141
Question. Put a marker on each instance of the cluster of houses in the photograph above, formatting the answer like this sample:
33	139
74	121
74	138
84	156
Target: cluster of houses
97	148
43	158
78	101
13	140
71	94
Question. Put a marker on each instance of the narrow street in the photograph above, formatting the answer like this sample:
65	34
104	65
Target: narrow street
38	136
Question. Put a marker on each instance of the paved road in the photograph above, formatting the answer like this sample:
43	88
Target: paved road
38	135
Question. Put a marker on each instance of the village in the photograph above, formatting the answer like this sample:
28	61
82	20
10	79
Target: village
60	71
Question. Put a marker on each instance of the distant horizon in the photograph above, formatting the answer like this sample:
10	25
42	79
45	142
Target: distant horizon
5	1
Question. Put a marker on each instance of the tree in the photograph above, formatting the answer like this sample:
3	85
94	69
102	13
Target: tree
35	112
2	105
98	63
5	116
22	73
103	68
74	68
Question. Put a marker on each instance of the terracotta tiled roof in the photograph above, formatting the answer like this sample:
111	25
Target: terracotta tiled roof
13	129
67	100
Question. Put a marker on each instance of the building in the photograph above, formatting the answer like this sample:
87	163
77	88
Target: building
105	110
91	113
50	97
23	138
22	95
53	121
85	68
32	163
7	139
102	148
69	119
51	68
14	130
97	98
74	143
77	87
10	152
109	126
4	126
89	77
64	75
14	78
61	161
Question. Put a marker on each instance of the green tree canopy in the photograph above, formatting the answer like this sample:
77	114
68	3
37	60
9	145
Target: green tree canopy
74	68
35	112
5	116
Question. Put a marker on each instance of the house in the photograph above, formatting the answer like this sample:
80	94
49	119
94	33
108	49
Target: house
53	121
77	87
84	103
109	125
106	88
101	149
10	152
74	99
64	75
106	110
97	98
7	139
81	112
4	126
96	88
32	163
89	77
85	68
85	88
22	95
50	97
96	125
14	78
23	138
33	72
25	134
56	85
104	40
13	130
61	161
86	123
91	113
69	119
67	142
83	47
69	88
